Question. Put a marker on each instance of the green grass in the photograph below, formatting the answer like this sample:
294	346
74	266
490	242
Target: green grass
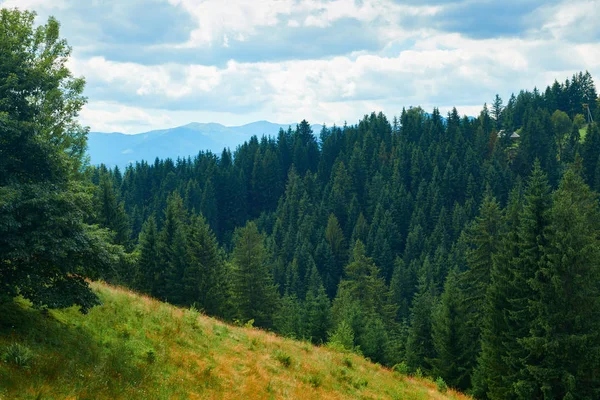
134	347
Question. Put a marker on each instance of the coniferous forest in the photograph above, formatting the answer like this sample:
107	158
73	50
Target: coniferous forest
462	248
441	245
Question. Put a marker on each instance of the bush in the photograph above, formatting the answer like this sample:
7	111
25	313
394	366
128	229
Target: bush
284	358
401	368
19	355
347	362
314	380
441	385
150	356
342	338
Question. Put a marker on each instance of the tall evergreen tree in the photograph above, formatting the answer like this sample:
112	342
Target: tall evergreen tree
420	350
564	341
148	267
205	277
253	289
172	251
450	337
483	239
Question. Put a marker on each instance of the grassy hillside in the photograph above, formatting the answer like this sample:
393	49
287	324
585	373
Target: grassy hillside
135	347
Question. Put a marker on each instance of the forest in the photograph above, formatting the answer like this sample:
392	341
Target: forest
455	247
446	246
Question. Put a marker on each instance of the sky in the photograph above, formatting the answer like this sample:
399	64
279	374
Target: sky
155	64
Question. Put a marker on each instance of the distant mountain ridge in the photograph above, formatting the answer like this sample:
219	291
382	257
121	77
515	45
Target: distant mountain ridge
119	149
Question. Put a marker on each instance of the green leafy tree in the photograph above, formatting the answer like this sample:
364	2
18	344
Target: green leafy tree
46	249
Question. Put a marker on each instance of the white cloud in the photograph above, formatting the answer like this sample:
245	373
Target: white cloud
571	20
237	18
115	117
169	80
240	19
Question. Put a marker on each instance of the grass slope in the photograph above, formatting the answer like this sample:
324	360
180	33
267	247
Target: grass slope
135	347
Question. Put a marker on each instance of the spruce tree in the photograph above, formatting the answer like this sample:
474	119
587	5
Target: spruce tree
590	150
205	277
148	267
449	335
483	240
173	254
564	340
420	349
253	289
111	212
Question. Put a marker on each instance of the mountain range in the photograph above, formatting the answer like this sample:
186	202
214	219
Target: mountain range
119	149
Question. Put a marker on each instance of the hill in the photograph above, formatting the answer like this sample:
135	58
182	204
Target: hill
119	149
136	347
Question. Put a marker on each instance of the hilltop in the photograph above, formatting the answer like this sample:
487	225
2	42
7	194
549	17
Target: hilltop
135	347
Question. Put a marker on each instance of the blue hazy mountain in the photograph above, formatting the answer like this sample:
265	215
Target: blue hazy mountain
120	149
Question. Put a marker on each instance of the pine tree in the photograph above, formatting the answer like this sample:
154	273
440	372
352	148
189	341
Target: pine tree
317	309
205	277
590	150
148	266
172	251
420	349
450	337
564	339
287	320
337	245
111	212
483	239
490	377
253	289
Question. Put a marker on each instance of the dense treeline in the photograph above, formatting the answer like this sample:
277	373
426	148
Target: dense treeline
444	244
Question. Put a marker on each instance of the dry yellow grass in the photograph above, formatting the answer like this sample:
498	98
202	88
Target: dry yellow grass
135	347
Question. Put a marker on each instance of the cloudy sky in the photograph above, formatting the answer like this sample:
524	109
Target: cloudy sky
153	64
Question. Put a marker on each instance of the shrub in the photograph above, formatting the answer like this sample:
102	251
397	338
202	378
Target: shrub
150	356
314	380
19	355
191	317
342	338
401	368
284	358
347	362
441	385
360	382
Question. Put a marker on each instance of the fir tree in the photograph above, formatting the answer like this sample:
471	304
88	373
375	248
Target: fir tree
205	277
450	337
564	339
148	268
253	289
420	349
